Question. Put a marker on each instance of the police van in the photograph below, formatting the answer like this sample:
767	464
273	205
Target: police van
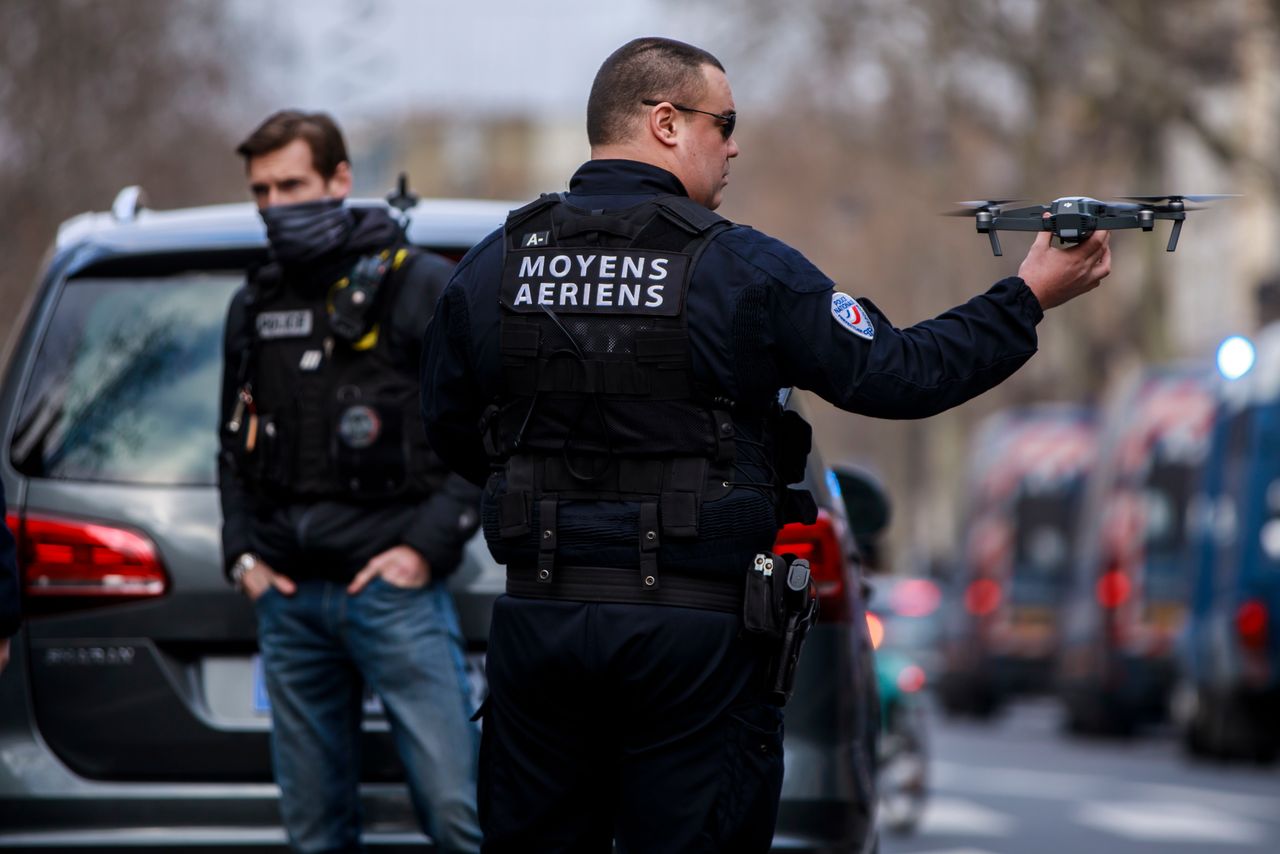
999	629
1228	699
1126	604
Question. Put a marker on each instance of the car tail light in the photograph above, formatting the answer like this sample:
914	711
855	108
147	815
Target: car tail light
982	597
911	678
1112	589
1251	624
72	562
915	597
875	628
819	544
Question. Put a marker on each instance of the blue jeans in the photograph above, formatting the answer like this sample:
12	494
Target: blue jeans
319	647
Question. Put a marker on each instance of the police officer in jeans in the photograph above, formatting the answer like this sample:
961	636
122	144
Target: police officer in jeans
339	521
608	364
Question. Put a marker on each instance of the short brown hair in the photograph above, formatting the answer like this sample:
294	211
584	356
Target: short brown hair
643	68
318	130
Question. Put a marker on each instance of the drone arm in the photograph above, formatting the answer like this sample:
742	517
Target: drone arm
1004	222
1114	223
1031	212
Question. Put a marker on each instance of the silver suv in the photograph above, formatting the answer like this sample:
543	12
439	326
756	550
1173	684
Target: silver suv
133	714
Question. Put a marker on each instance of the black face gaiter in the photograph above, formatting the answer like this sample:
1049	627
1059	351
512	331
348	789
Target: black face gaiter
305	231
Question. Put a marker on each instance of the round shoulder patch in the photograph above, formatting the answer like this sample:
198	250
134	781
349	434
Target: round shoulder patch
849	314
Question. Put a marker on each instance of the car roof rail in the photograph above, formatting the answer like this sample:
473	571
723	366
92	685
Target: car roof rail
127	203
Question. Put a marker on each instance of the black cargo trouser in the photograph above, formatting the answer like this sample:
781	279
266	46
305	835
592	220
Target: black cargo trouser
636	723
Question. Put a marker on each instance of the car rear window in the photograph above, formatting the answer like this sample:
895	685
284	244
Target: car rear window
126	383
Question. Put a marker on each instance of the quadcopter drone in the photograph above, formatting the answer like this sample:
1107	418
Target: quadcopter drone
1073	218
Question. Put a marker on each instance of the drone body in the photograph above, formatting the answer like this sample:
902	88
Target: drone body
1073	218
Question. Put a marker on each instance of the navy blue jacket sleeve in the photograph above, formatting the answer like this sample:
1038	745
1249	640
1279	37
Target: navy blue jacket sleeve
442	524
10	589
453	400
884	371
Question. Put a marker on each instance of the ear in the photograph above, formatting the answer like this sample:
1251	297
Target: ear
339	186
663	124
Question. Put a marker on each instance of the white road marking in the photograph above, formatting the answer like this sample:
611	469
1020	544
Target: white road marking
1019	782
954	815
1169	821
1256	806
1062	785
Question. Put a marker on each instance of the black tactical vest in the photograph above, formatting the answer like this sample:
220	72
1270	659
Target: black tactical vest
598	400
328	409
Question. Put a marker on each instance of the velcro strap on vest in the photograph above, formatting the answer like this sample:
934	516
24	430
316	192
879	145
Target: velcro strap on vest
679	502
547	541
589	224
725	432
520	340
631	477
649	543
488	431
513	515
688	214
520	214
597	376
662	346
515	505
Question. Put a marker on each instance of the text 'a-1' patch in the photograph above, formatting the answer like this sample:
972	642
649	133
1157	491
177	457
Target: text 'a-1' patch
849	314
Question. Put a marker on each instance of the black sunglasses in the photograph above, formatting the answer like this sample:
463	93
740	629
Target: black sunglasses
727	120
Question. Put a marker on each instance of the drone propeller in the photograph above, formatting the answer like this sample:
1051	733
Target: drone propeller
970	208
986	203
1211	197
1172	207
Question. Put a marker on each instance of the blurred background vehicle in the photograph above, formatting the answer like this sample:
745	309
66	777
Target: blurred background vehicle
829	799
1129	581
1000	619
900	618
1228	700
134	711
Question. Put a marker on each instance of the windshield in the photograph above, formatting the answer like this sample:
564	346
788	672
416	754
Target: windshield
1043	522
1166	496
126	383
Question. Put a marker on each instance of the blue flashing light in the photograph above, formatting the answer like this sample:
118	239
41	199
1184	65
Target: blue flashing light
833	485
1235	357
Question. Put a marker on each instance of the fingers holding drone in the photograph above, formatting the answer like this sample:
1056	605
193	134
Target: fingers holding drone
1059	274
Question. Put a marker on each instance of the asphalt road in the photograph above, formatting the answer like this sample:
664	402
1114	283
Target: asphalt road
1021	786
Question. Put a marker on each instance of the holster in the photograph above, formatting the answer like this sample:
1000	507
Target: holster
780	606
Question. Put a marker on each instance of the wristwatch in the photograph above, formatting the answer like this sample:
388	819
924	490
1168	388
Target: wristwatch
240	569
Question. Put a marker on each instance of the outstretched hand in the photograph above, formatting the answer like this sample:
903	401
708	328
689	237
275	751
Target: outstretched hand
1059	274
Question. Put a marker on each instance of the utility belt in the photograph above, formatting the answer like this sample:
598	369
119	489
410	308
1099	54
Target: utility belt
624	586
777	599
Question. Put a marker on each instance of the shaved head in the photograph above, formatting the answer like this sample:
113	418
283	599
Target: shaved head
653	68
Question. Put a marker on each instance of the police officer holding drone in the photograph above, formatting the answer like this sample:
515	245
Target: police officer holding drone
339	521
608	364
